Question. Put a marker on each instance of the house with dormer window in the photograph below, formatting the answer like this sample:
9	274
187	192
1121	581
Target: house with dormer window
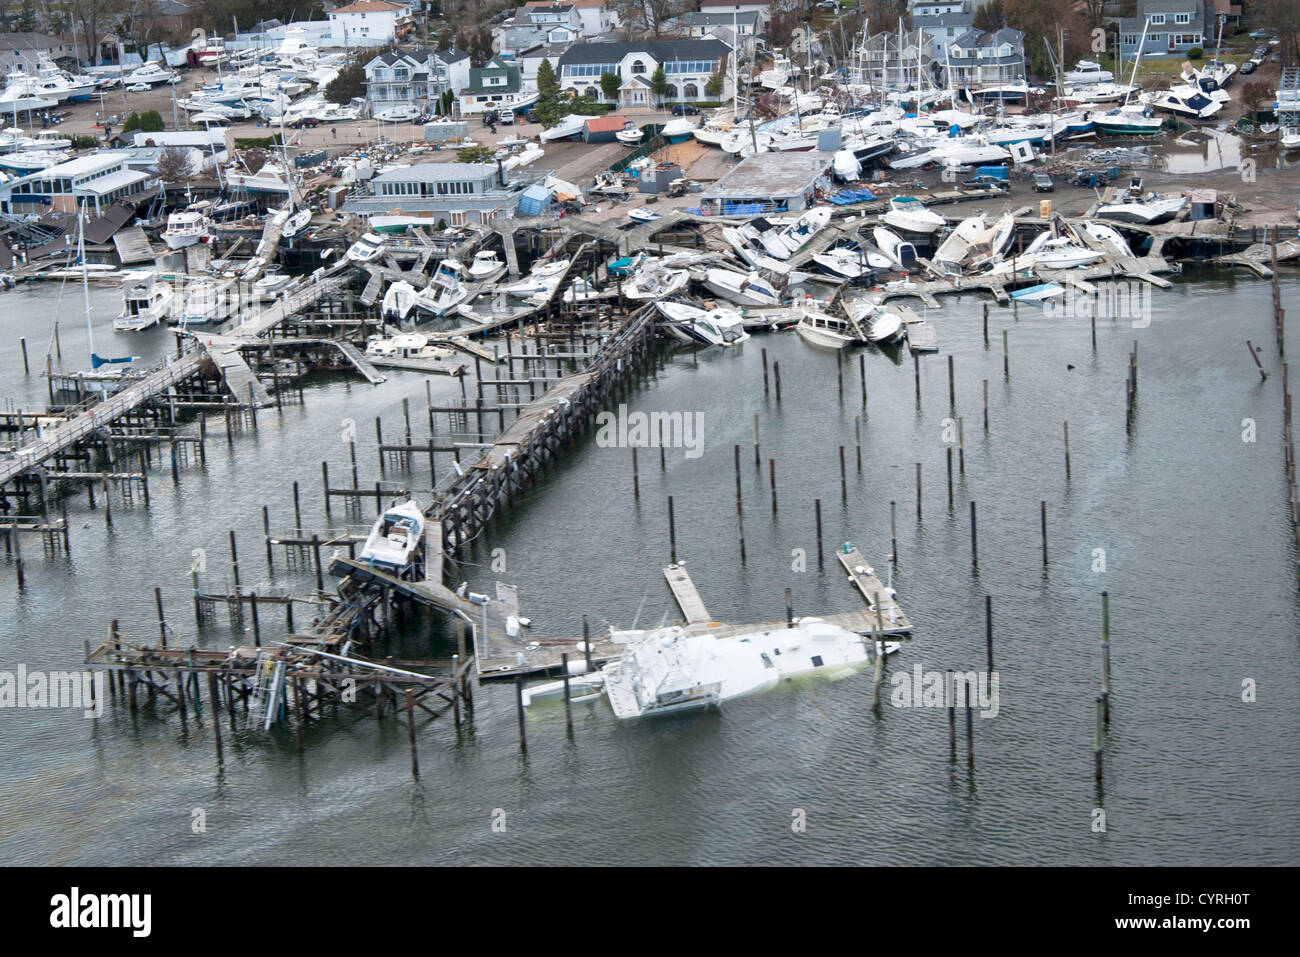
490	87
1173	27
417	78
978	58
370	23
688	65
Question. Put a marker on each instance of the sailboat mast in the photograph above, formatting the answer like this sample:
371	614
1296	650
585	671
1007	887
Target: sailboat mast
85	282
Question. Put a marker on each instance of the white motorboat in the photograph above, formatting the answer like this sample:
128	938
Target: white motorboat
150	73
571	125
994	241
784	243
271	283
395	539
846	166
296	224
716	327
406	346
954	250
712	131
542	280
486	267
642	214
1087	72
630	134
185	228
843	263
1038	293
777	75
1145	212
1288	137
744	290
886	326
402	113
1109	237
1062	253
398	300
1188	102
145	300
900	253
745	140
367	248
822	329
666	670
909	215
1131	119
203	303
446	290
654	281
677	130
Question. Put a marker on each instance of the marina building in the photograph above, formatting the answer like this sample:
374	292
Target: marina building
769	182
457	193
96	181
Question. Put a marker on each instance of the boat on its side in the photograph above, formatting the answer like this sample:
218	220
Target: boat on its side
827	331
398	301
715	327
909	215
744	290
899	252
145	300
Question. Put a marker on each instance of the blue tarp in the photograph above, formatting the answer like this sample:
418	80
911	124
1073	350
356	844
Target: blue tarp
846	197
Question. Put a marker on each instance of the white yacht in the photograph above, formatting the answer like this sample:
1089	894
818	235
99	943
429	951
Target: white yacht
825	330
145	300
402	113
543	279
398	300
486	267
395	539
186	227
909	215
653	280
446	290
959	243
366	248
716	327
744	290
784	243
900	253
1188	102
150	73
1088	72
202	302
843	263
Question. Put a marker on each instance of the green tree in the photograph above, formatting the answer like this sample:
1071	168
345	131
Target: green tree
550	111
27	17
447	96
659	82
351	82
151	121
609	84
547	85
132	123
474	154
715	85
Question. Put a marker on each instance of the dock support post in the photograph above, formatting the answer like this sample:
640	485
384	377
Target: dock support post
234	559
586	643
862	373
986	405
952	385
893	533
1067	450
568	705
1096	738
771	477
916	370
776	370
22	341
410	730
839	373
961	444
257	627
740	508
952	717
1042	510
636	477
789	607
765	390
844	480
949	450
162	621
986	325
817	511
672	534
266	534
315	550
519	710
974	538
325	485
988	634
1006	357
918	492
970	734
1105	656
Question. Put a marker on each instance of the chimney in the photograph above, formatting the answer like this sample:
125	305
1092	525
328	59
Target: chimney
501	174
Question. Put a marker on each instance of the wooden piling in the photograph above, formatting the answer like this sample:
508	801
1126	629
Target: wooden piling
740	509
162	619
672	534
918	491
1105	656
1042	511
776	371
636	477
916	370
410	730
844	480
986	325
949	456
970	733
765	371
952	384
862	374
974	539
1097	738
789	607
893	533
1067	449
988	633
771	477
586	642
519	711
986	405
22	341
817	508
568	705
952	705
1006	357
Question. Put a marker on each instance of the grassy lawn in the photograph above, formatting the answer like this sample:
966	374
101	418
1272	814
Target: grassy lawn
1153	69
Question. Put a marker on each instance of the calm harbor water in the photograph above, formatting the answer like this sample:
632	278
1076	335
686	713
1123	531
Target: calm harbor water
1198	561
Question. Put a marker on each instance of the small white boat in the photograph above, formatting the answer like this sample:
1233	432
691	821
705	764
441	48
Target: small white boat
909	215
571	125
185	228
784	243
395	538
542	280
145	300
1088	72
203	303
399	114
446	290
900	253
825	330
1062	253
717	327
954	250
630	134
845	166
1146	212
643	214
652	280
1109	237
886	326
1187	101
366	248
398	300
1039	293
744	290
296	223
407	345
486	267
677	130
271	283
843	263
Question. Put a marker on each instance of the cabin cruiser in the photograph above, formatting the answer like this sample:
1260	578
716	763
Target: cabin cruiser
784	243
666	670
271	283
402	113
642	214
654	281
185	228
1131	119
1187	102
777	75
1088	72
569	126
746	140
677	130
900	254
446	291
395	539
630	134
846	166
542	280
296	223
1109	237
150	73
407	345
486	267
883	325
145	300
713	130
822	329
908	214
1150	211
716	327
398	300
993	242
954	250
270	178
744	290
203	302
367	248
1060	253
843	263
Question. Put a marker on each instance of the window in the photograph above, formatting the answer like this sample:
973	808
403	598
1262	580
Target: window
1157	18
1157	37
1130	39
690	92
638	66
1182	18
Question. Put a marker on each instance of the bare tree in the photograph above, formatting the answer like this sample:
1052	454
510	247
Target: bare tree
87	14
174	165
647	17
141	20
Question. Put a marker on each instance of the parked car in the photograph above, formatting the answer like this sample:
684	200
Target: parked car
987	181
1261	35
832	5
684	109
1043	183
138	88
1092	178
305	123
1248	67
